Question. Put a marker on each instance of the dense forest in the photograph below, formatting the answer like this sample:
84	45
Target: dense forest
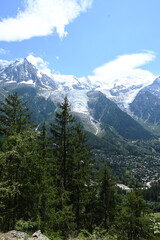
51	181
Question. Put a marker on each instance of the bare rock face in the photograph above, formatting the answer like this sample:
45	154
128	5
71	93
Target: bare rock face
39	236
14	235
17	235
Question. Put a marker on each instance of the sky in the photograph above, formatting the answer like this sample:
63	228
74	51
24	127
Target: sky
104	39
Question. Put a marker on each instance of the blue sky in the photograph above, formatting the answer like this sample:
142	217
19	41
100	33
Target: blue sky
84	37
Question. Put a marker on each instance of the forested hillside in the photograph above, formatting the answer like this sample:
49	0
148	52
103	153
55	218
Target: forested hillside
50	180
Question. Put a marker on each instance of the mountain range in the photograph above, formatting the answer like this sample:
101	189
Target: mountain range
123	110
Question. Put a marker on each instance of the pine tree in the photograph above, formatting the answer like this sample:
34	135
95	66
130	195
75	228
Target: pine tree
17	135
18	162
62	133
14	115
80	175
45	183
72	169
133	219
107	197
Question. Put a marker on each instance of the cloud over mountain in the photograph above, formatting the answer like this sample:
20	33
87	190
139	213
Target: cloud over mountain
40	64
127	67
42	18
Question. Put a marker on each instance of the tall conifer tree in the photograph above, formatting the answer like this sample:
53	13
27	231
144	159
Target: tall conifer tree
72	169
14	115
15	128
62	133
81	175
107	197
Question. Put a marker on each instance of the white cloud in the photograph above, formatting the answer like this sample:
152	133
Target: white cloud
40	64
41	18
3	51
4	63
126	68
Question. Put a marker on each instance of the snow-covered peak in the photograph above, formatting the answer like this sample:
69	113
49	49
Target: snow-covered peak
34	71
23	72
119	83
70	82
122	90
64	82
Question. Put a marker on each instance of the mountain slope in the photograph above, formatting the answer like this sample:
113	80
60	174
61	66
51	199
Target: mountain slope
99	114
113	119
146	105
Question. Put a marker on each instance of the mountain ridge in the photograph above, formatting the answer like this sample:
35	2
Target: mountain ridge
46	91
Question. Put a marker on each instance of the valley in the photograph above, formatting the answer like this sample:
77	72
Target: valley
119	118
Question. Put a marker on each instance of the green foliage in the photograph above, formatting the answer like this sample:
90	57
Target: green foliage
51	182
14	115
62	132
25	226
72	167
107	197
133	221
153	193
42	109
98	233
156	228
53	235
18	166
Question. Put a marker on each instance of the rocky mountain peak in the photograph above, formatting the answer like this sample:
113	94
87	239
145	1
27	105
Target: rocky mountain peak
23	72
92	105
19	71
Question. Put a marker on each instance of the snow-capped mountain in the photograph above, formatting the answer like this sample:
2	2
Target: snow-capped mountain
121	91
146	105
22	75
23	72
44	91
